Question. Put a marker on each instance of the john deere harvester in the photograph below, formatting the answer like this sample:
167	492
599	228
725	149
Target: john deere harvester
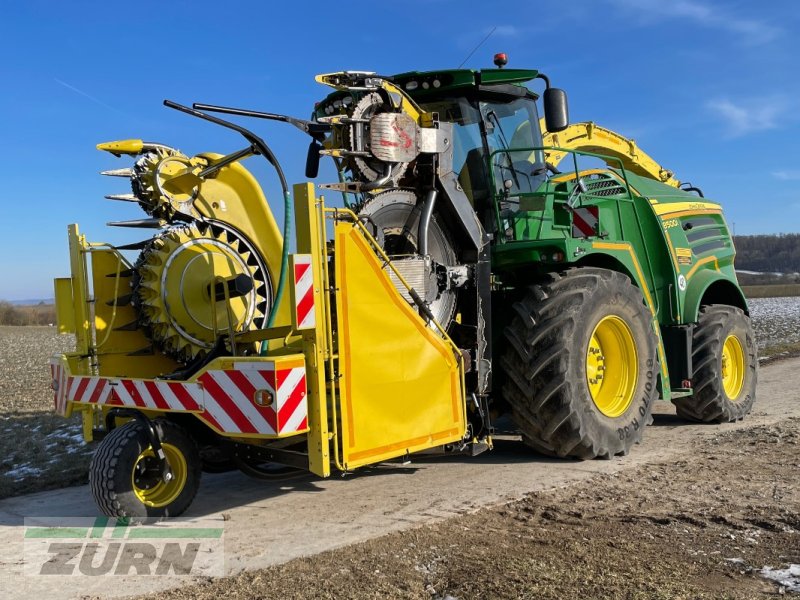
476	262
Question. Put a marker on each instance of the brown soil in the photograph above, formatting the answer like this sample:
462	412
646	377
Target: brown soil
699	526
39	450
25	370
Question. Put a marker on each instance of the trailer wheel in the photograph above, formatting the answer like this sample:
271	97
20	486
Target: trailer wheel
725	367
125	477
581	364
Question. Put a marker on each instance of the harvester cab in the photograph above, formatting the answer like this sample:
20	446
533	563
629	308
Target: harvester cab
461	277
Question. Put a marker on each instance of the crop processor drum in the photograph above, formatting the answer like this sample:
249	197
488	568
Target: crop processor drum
174	277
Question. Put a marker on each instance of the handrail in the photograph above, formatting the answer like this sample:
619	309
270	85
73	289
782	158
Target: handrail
331	355
532	149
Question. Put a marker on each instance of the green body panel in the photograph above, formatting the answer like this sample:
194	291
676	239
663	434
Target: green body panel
672	234
699	244
673	245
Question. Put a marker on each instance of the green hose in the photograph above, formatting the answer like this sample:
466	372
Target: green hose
287	233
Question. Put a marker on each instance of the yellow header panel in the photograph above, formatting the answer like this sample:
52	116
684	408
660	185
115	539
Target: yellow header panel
401	387
65	312
122	350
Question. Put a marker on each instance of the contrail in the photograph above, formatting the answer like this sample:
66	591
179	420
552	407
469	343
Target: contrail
89	96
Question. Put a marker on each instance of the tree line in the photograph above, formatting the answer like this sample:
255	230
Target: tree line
779	253
41	314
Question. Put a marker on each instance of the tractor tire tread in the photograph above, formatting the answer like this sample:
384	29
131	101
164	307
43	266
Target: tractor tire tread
708	402
537	362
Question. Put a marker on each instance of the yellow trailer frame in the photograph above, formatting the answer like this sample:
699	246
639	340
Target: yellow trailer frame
379	381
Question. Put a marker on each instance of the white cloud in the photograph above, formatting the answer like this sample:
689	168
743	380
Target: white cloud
787	175
744	117
753	31
506	31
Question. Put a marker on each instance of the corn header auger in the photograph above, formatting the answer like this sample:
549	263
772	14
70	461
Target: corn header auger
479	263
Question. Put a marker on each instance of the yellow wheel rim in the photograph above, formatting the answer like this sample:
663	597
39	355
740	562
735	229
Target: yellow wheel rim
148	484
612	366
732	367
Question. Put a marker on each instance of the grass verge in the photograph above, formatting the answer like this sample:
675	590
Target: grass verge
771	291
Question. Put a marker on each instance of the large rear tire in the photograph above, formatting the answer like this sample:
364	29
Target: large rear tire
725	367
581	364
125	477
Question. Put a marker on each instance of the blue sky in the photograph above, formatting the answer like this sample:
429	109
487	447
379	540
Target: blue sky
709	88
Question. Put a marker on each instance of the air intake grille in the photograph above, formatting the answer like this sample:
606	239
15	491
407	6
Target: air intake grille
602	184
704	234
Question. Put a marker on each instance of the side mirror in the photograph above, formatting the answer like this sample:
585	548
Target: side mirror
312	159
556	113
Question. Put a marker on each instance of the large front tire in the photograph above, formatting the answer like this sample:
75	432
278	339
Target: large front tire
725	367
125	477
581	365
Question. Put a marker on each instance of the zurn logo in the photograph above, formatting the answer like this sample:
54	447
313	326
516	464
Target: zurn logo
104	546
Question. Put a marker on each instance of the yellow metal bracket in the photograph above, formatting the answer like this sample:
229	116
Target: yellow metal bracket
315	340
590	137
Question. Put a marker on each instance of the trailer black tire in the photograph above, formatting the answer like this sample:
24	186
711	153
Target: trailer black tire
725	365
557	341
125	484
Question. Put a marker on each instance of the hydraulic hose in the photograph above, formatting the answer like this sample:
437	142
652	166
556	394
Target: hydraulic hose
264	150
287	232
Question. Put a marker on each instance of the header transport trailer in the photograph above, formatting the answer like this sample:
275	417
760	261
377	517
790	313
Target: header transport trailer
467	273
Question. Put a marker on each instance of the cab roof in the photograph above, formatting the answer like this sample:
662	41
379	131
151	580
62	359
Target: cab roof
439	81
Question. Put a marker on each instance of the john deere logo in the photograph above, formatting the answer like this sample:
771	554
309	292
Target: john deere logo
104	546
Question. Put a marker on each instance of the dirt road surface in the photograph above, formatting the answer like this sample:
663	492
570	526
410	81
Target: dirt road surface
272	523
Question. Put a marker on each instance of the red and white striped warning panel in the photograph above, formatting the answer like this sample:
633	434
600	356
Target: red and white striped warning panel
304	315
584	221
260	398
58	378
256	398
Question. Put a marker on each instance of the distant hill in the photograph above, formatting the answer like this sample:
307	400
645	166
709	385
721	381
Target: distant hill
768	253
32	302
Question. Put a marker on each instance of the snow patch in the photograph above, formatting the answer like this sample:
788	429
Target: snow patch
789	578
61	436
23	471
776	320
